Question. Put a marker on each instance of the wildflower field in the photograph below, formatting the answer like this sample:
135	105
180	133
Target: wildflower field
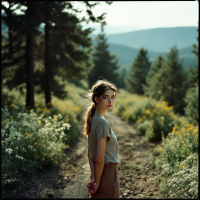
177	155
36	139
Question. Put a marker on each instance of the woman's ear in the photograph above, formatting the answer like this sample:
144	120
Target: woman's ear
96	99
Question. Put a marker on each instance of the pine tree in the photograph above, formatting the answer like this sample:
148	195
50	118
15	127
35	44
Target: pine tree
138	73
105	64
121	77
152	83
169	83
21	42
193	72
191	98
63	57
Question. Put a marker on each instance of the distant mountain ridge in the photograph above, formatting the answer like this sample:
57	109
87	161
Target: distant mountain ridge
157	39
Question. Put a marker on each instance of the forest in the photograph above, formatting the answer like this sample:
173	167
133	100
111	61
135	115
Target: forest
45	73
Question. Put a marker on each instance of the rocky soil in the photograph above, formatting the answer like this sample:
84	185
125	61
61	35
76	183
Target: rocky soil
69	179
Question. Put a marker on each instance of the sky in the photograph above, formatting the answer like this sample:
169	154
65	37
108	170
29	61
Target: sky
125	16
137	15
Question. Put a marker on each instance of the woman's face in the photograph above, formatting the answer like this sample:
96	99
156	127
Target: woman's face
108	99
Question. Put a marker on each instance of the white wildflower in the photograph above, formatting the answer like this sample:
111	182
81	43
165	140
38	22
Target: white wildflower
59	115
191	190
8	150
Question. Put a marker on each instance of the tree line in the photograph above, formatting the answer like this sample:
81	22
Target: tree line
166	80
34	58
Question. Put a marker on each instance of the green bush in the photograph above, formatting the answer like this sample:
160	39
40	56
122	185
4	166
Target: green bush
151	117
191	99
29	142
178	162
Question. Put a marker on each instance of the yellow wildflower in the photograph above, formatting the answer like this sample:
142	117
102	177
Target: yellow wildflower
147	112
160	149
183	129
140	120
54	116
34	143
176	133
151	125
4	122
5	142
154	110
12	105
12	119
28	135
184	138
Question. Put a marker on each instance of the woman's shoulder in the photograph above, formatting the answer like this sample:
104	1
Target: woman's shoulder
100	120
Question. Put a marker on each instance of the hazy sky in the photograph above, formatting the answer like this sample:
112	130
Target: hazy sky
136	15
129	15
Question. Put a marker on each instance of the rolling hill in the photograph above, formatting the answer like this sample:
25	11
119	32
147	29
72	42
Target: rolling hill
157	39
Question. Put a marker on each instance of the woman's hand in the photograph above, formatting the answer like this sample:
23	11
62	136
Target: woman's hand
90	184
94	188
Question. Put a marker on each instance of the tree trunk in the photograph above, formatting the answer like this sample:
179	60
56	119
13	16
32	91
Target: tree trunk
46	60
30	58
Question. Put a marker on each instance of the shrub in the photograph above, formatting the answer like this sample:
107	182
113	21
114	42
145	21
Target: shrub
191	99
151	117
178	162
29	142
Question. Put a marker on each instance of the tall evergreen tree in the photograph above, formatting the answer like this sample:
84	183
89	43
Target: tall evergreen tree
152	84
169	83
63	37
192	95
193	78
121	78
105	64
138	73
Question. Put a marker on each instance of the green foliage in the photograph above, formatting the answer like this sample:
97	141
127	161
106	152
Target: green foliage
29	142
151	117
153	80
178	161
37	138
191	100
105	64
121	78
168	81
137	75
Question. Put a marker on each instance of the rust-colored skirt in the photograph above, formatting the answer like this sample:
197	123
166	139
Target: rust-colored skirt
109	185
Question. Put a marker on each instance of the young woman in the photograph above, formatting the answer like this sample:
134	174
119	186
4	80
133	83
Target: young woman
102	142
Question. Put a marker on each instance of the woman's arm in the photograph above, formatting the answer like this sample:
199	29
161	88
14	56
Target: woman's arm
92	163
101	147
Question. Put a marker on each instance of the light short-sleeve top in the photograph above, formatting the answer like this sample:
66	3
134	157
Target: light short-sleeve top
100	128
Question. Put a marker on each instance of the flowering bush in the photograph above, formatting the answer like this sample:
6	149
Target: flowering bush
178	161
151	117
29	142
179	144
184	183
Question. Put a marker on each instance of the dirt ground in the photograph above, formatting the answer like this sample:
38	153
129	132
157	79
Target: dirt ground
70	178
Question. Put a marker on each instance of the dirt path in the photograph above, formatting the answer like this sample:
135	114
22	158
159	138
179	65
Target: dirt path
70	178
